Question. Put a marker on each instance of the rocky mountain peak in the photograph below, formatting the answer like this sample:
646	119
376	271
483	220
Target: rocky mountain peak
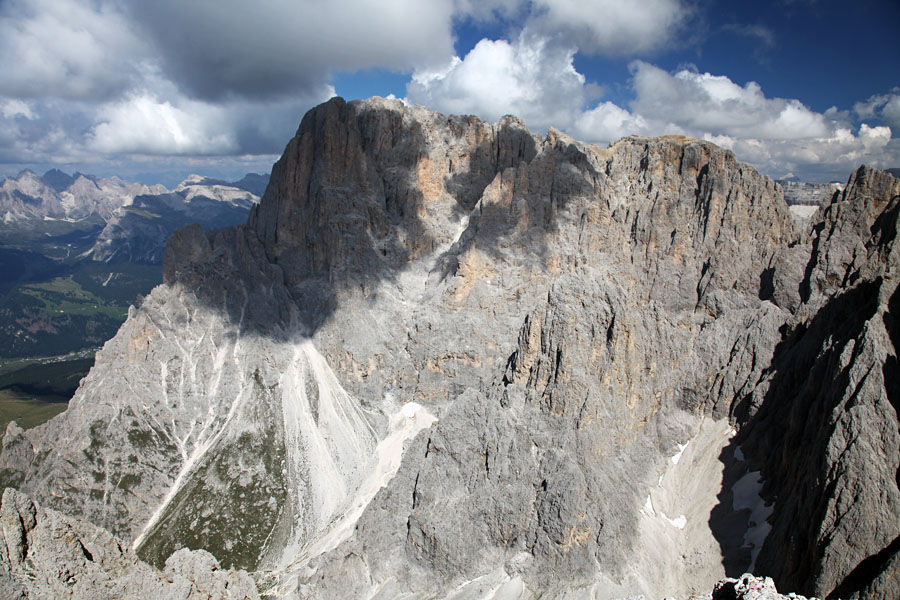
446	356
371	186
58	180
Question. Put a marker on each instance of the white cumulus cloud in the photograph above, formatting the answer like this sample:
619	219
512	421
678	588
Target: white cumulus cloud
702	102
269	48
144	124
531	78
534	77
777	135
111	78
178	78
611	26
882	106
160	120
608	121
15	107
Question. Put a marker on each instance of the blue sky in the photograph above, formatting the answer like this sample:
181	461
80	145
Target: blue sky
157	90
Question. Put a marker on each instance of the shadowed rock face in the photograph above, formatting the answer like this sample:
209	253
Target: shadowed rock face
587	324
827	427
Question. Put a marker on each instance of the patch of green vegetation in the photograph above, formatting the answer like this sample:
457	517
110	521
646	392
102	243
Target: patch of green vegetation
58	240
39	458
64	295
142	212
32	332
233	501
57	379
140	438
119	283
129	481
32	392
27	410
8	365
97	441
62	285
75	306
53	298
11	478
23	266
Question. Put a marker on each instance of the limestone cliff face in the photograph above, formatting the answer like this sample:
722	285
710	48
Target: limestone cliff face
451	225
591	327
639	270
827	427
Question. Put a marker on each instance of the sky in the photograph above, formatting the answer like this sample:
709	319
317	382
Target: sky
156	90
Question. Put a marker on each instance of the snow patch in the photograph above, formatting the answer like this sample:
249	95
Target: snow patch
410	410
648	510
802	212
675	542
463	224
678	522
681	448
746	497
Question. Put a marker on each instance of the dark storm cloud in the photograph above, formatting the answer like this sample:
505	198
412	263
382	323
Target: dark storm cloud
231	48
111	77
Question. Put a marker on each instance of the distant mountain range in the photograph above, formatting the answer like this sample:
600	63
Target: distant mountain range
801	193
122	216
137	231
58	196
77	250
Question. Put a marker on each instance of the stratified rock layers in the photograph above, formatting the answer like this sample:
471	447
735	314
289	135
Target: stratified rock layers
586	324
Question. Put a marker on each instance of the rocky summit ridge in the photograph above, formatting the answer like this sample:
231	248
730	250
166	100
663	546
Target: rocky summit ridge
446	358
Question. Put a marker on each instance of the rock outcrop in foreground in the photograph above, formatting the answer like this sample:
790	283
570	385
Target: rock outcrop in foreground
452	359
44	554
747	587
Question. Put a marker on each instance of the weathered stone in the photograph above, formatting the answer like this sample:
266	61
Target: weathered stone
44	554
749	587
588	324
826	434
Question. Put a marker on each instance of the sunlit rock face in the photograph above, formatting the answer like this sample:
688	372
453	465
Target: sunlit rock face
446	358
58	196
44	554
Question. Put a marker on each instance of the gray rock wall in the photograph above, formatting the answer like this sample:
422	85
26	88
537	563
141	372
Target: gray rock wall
44	554
579	319
826	429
